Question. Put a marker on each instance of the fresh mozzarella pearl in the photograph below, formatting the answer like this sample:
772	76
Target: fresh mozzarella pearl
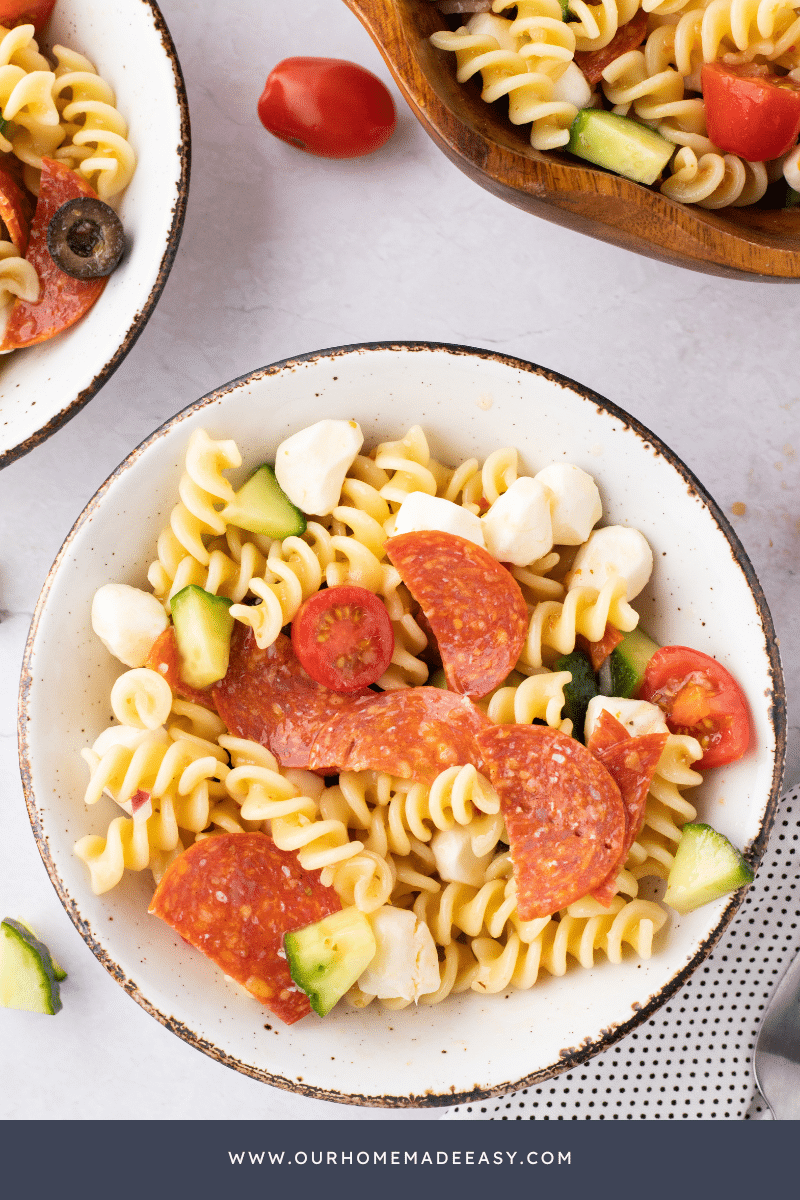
573	88
574	502
638	716
311	465
405	963
613	550
420	511
127	621
456	861
518	527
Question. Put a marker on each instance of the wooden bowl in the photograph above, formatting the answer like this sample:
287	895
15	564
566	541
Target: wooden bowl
743	243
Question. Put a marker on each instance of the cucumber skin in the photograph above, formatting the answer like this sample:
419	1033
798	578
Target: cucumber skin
278	518
320	967
215	612
632	150
628	662
690	885
45	963
582	688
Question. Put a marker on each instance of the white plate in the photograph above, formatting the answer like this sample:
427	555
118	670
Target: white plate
128	42
703	593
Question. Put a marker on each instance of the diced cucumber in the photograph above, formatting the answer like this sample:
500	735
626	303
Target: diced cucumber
262	506
565	12
28	979
792	198
203	628
58	970
580	690
325	959
628	662
706	866
619	144
438	679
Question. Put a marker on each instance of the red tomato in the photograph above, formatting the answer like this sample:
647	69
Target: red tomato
748	113
25	12
701	698
327	106
343	637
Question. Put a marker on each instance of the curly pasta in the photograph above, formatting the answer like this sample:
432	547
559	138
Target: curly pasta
95	132
540	697
554	625
18	278
667	810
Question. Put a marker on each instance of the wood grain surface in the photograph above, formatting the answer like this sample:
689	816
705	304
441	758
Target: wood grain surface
742	243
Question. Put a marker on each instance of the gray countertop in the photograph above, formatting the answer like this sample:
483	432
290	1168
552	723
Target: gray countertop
282	254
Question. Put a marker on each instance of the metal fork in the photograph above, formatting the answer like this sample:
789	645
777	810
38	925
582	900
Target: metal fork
776	1058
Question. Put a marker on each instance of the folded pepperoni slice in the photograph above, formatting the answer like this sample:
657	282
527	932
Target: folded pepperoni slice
414	733
563	813
62	299
164	658
233	897
15	210
631	762
266	696
473	605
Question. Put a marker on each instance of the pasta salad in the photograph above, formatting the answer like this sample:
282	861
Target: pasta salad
698	97
65	161
389	728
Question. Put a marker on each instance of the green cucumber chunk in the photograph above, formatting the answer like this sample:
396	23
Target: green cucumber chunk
58	970
706	866
792	197
438	679
619	144
628	662
27	977
325	959
580	690
203	628
565	12
262	506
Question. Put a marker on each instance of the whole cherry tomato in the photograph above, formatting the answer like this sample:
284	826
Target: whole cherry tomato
699	697
343	637
25	12
748	113
327	106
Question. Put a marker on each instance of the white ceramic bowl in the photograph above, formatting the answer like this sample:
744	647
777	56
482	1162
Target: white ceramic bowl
129	43
703	593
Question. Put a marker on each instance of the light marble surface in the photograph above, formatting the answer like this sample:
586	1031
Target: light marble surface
282	254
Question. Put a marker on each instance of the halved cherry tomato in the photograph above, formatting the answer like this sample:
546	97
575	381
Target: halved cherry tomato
327	106
748	113
343	637
25	12
701	698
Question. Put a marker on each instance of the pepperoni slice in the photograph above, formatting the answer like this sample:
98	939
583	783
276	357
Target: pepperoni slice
415	733
631	762
563	813
267	697
62	299
233	897
15	211
474	606
164	658
627	37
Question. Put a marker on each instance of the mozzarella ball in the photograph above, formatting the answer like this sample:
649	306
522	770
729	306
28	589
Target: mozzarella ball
127	621
420	511
311	465
575	504
518	527
638	716
613	550
456	861
406	963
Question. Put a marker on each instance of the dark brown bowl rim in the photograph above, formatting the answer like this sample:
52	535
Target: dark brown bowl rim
568	1058
167	259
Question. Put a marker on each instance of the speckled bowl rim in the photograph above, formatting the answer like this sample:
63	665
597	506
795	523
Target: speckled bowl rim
171	249
609	1036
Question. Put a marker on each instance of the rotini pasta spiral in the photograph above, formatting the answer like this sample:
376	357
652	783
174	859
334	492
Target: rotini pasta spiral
667	809
554	625
18	278
540	697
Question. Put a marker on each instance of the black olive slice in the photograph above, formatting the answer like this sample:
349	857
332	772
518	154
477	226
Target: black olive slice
85	238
